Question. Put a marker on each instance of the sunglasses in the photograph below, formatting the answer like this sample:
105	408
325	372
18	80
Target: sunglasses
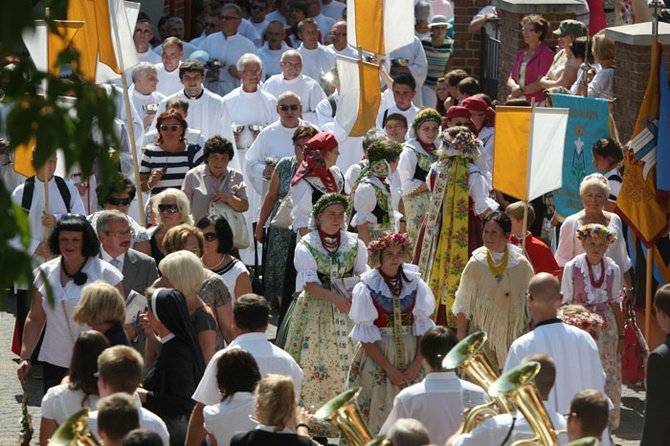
67	217
170	208
257	7
172	128
210	236
118	201
293	107
228	17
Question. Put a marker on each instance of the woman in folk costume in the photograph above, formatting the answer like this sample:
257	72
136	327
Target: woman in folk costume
416	158
595	281
492	294
391	310
316	175
372	203
327	261
453	228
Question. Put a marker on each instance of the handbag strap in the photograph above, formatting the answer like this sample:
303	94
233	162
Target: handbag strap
255	250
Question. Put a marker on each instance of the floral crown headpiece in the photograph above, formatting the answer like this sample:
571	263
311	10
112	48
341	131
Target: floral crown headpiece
596	231
387	150
329	200
425	115
375	247
464	145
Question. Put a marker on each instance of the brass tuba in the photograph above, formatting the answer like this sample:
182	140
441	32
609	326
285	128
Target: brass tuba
468	356
345	414
517	385
74	432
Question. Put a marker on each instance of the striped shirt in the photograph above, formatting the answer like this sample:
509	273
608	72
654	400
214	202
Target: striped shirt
176	163
437	58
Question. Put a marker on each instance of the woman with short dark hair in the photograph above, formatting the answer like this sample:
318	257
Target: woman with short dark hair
76	245
215	181
237	376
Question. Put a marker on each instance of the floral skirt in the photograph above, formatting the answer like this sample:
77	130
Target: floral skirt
376	397
607	341
416	208
318	339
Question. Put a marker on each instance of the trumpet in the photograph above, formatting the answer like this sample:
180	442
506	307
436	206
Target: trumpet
468	356
74	432
346	415
517	385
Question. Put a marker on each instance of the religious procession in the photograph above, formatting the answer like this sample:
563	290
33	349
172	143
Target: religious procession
322	222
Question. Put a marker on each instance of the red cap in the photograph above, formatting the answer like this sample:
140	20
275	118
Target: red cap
322	141
475	104
458	111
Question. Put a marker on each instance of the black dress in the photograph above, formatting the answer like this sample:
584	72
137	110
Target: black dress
258	437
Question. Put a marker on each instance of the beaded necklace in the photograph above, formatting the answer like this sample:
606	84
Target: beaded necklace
497	270
330	242
596	283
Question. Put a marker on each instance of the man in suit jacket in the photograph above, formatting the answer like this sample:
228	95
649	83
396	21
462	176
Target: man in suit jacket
138	269
656	430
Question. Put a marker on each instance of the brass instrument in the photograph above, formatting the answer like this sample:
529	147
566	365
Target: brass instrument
345	414
74	432
517	385
468	356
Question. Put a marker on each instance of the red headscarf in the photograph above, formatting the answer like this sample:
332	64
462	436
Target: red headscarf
314	161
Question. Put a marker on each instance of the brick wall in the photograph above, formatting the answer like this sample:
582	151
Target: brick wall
180	8
631	76
466	45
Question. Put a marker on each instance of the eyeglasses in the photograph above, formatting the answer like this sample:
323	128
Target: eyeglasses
258	7
293	107
228	17
396	127
292	65
126	233
250	72
210	236
118	201
253	128
146	32
172	128
170	208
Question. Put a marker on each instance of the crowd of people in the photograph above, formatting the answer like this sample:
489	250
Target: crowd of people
377	254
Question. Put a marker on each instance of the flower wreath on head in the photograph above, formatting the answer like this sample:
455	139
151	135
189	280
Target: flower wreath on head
376	247
424	116
596	231
463	145
329	200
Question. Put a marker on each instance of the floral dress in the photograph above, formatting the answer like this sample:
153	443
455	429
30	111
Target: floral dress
372	312
577	288
317	332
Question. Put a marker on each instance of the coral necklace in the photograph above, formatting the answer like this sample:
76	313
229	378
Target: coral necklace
596	283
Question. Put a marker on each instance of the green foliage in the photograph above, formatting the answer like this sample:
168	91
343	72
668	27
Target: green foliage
82	129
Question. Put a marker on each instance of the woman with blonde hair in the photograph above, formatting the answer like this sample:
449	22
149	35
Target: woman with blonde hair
213	291
278	416
102	308
183	271
170	208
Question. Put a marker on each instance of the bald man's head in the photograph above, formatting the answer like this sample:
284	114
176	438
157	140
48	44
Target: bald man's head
544	288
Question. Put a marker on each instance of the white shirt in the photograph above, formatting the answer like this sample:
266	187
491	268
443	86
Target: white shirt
410	114
273	141
494	430
148	420
189	48
275	15
241	107
316	62
438	401
271	59
348	51
61	332
139	100
205	112
225	419
333	9
60	402
309	91
350	147
301	196
227	49
108	258
168	82
416	63
260	30
407	165
149	56
575	353
270	359
324	23
248	30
